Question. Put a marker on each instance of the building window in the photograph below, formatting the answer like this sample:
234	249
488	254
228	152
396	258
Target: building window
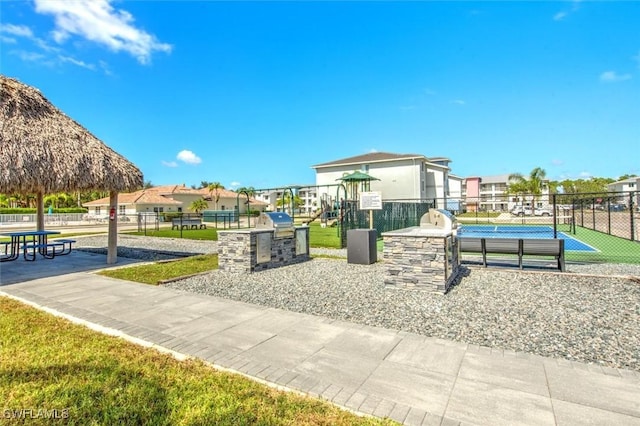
122	210
97	211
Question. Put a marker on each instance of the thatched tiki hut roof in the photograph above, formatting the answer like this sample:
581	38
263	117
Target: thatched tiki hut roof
43	151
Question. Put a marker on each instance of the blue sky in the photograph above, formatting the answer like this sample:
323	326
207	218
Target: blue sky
255	93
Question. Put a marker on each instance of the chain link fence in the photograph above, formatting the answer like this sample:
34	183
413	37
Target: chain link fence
605	226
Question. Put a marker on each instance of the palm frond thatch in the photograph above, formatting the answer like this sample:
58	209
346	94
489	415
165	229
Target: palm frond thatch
44	151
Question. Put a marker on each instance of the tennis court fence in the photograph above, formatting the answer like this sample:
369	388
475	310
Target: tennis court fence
607	223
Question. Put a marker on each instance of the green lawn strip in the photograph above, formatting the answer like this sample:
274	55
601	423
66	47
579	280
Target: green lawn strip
323	237
210	234
154	272
48	363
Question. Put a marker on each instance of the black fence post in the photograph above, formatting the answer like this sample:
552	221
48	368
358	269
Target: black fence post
631	217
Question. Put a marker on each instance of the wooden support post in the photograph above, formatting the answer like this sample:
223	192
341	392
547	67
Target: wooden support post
112	240
40	211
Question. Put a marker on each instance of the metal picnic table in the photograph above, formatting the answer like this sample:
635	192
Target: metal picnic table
31	242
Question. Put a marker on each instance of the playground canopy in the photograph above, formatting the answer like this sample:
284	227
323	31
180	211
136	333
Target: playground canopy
353	179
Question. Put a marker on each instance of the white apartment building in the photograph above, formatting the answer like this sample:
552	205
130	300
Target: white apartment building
308	195
397	176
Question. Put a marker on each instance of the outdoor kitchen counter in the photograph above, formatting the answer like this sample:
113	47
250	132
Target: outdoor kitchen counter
419	231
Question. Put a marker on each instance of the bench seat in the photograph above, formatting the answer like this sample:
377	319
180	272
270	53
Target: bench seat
43	249
66	246
516	246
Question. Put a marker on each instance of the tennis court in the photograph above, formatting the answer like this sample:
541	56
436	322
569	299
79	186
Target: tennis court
491	231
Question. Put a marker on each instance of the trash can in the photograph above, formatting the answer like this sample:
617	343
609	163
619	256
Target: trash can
361	246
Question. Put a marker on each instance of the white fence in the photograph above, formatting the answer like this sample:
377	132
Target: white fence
60	219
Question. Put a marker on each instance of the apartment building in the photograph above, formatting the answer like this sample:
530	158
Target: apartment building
490	193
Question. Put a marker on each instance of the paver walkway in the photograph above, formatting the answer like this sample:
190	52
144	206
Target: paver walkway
410	378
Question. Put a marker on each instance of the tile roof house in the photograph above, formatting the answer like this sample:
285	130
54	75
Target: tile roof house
172	198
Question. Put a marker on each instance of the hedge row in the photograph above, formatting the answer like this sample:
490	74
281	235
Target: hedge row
23	210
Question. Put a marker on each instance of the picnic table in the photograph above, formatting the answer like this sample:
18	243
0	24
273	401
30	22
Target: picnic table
189	223
32	243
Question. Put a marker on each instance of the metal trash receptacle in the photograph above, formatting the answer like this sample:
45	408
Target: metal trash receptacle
361	246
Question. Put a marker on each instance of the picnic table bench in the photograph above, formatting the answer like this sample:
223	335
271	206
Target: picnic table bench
515	246
181	223
31	243
48	250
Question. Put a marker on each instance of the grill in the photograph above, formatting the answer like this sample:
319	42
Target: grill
439	219
281	223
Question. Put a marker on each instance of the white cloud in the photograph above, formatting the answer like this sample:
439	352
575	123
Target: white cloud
557	162
560	16
458	102
76	62
235	184
585	174
612	76
188	157
575	6
99	22
8	40
373	150
29	56
16	30
637	58
169	164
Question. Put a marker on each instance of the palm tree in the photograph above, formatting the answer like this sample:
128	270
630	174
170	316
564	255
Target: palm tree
297	201
249	190
215	188
199	205
533	185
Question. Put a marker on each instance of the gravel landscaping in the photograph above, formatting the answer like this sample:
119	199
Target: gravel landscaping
575	316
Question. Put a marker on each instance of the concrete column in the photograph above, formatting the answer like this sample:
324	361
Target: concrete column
112	247
40	211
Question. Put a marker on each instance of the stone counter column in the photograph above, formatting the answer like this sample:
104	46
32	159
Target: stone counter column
419	258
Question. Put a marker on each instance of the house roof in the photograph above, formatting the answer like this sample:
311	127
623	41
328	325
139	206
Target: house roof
163	195
371	157
144	196
627	180
380	157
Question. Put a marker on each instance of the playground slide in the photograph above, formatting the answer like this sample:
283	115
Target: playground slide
314	217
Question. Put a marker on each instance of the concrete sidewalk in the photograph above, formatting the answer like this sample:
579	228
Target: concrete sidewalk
407	377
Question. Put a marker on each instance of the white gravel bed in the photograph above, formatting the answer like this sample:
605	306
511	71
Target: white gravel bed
587	318
147	248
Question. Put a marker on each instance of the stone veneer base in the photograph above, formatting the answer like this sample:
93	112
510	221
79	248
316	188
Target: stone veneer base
417	260
238	250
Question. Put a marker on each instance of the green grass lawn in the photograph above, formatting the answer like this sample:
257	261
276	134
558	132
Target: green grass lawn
48	363
191	234
323	237
155	272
